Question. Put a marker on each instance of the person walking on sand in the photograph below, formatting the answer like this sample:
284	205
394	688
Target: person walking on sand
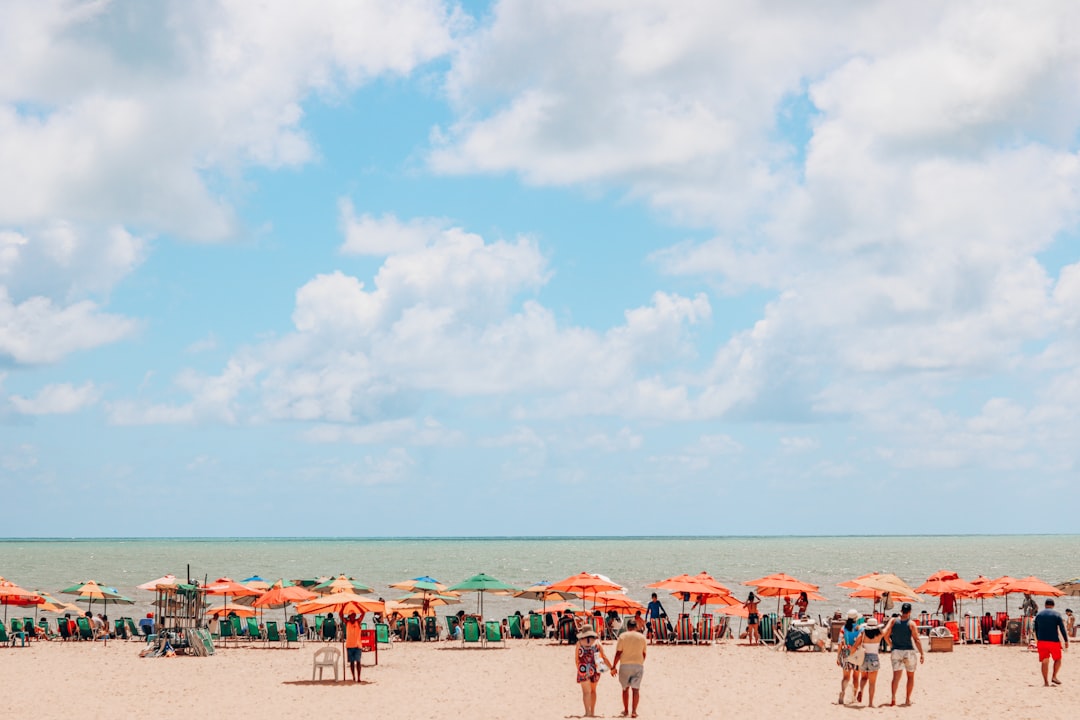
850	664
631	651
870	642
752	616
902	635
1048	625
587	656
352	642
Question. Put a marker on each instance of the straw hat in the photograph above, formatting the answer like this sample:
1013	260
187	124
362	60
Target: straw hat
586	633
871	622
853	614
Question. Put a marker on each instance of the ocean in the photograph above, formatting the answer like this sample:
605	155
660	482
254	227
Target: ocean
53	564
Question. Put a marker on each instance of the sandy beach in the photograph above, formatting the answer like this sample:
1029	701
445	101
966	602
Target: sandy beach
525	679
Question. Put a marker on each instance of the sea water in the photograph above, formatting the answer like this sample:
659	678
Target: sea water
634	562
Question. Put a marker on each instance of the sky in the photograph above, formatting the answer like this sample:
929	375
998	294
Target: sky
601	267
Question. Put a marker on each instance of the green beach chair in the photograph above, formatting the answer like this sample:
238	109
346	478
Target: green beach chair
514	624
133	630
119	629
382	634
292	633
253	630
272	634
470	633
493	633
85	631
225	629
4	639
44	625
16	626
236	626
318	627
431	628
412	629
536	626
451	626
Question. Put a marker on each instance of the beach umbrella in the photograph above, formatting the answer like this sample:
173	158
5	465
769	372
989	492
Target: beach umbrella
12	594
726	605
152	584
780	585
422	583
229	588
618	602
685	586
281	595
1032	585
482	583
564	607
890	583
542	591
853	584
875	595
92	590
256	583
311	582
585	584
1069	587
220	611
426	601
341	584
343	603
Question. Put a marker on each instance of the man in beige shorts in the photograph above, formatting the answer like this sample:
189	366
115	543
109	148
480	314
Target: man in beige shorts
631	651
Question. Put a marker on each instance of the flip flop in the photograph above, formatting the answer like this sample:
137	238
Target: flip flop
1056	681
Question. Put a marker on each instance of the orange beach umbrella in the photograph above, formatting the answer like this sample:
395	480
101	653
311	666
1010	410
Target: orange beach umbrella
1032	585
220	611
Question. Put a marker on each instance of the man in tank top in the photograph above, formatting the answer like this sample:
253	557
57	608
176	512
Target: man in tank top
903	635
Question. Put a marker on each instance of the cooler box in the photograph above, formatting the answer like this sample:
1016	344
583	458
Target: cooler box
954	628
995	637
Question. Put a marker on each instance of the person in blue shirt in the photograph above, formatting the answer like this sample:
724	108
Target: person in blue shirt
1049	634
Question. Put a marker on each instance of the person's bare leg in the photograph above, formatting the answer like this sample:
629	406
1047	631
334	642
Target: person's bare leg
1054	677
895	684
592	699
1045	667
625	701
637	696
910	687
585	696
843	687
873	683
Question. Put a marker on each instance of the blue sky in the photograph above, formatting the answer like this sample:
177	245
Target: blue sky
421	268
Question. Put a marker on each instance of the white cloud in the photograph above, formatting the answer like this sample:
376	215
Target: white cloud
367	235
59	399
37	331
115	112
406	431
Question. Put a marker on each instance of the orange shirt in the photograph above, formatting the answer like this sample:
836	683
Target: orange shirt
352	633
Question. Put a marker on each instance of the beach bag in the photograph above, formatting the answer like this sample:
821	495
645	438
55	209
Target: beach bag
857	656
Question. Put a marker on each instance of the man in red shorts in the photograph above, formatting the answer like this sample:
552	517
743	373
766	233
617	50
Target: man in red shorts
1050	634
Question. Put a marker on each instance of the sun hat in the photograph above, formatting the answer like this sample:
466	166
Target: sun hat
586	633
871	622
853	614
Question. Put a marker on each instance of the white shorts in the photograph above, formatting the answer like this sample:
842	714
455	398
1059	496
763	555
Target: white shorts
905	660
630	675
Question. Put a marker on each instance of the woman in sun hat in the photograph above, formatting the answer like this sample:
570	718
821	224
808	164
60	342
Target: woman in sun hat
588	655
870	640
851	666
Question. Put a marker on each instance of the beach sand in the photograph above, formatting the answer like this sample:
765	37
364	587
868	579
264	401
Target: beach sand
532	679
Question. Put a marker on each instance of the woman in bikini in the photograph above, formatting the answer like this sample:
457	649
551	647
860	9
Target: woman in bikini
751	619
870	641
587	656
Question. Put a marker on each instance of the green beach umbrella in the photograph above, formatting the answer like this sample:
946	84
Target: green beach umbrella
341	584
483	584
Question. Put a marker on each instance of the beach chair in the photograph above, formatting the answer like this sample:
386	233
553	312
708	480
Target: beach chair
972	632
597	624
120	629
225	629
85	631
5	639
470	632
767	628
1001	620
133	630
273	635
62	628
329	629
45	628
292	633
253	630
451	626
536	626
17	627
567	630
493	633
412	629
383	635
684	630
722	628
431	628
315	631
237	626
326	657
513	623
658	630
705	630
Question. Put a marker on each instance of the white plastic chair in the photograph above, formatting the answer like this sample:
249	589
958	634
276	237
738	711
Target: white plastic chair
327	657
